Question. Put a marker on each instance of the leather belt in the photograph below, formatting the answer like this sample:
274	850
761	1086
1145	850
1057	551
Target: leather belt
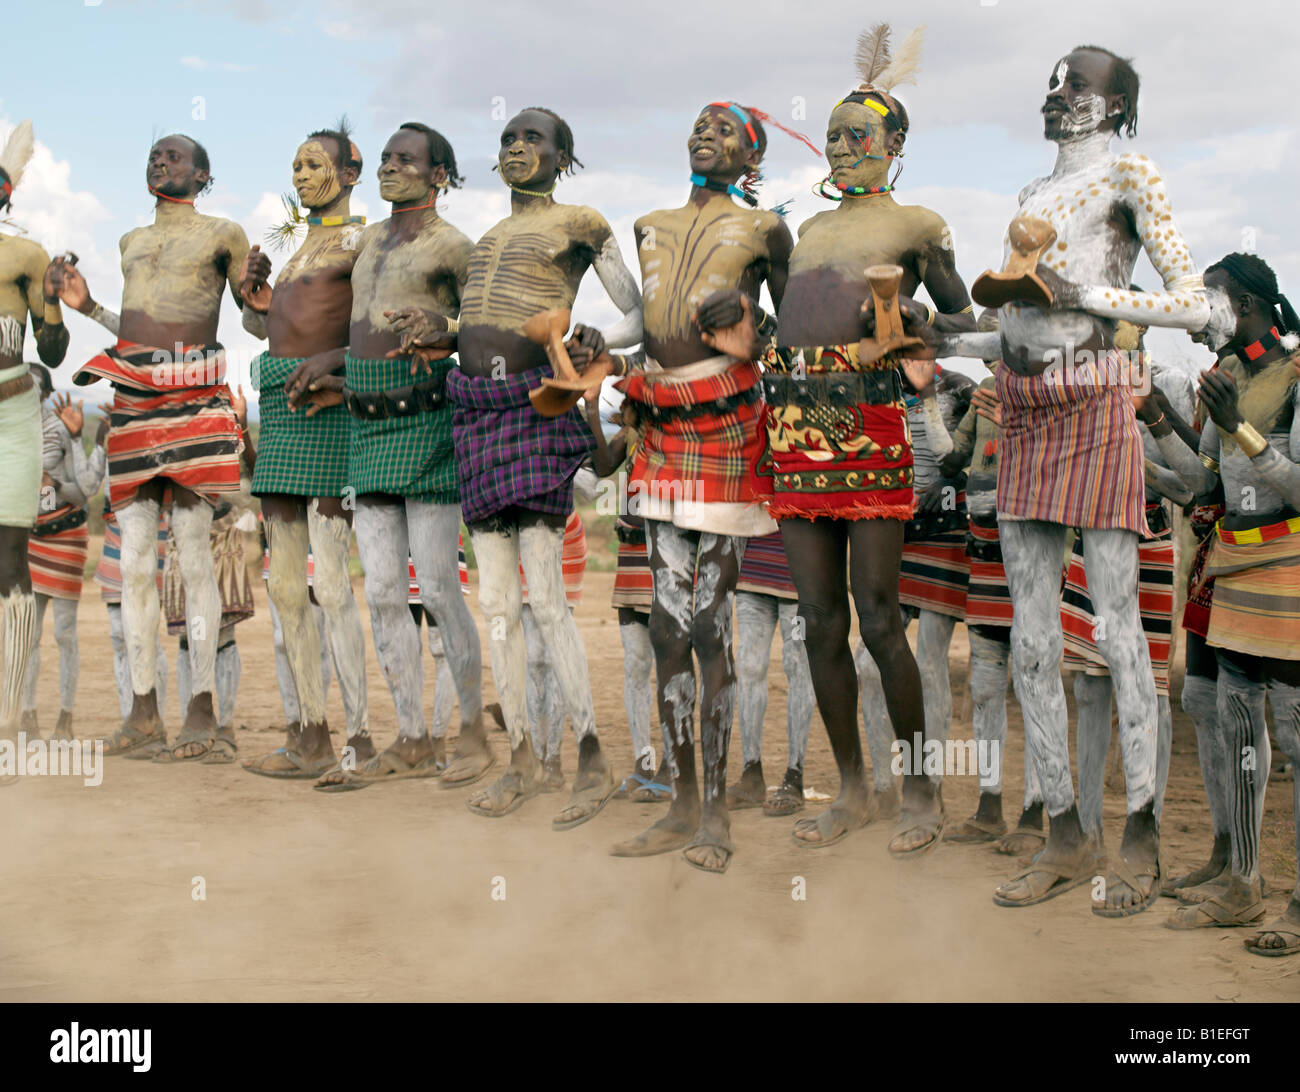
877	387
75	518
716	408
422	397
17	385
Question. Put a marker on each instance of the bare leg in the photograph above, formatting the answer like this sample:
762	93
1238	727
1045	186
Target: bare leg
1282	936
32	675
989	668
933	640
1032	552
65	636
337	621
501	601
756	622
1092	694
638	685
878	730
139	525
1111	558
1200	701
435	531
799	705
541	546
672	556
191	527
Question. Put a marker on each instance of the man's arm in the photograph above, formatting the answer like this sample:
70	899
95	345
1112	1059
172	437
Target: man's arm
237	251
1182	304
621	286
1199	470
963	445
779	246
1166	483
43	303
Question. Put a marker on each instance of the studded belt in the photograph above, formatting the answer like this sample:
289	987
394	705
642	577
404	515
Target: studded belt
422	397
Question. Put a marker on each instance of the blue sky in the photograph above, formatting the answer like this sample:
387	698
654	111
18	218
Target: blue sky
101	81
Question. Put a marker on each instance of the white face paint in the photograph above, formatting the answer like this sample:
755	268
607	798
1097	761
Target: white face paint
1084	117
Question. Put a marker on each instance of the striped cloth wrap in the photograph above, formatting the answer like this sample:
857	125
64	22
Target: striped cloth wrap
57	558
764	570
407	456
1070	451
1256	607
171	418
988	599
507	454
700	439
297	455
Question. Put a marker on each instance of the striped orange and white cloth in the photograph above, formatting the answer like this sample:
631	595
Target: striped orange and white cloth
988	599
934	571
1256	606
58	561
1155	604
573	560
634	586
169	419
1070	451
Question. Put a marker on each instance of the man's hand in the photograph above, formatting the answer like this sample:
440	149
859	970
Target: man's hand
101	433
1066	295
239	404
424	337
1218	391
920	374
931	500
309	377
987	405
327	392
914	315
255	280
584	345
69	413
63	281
726	323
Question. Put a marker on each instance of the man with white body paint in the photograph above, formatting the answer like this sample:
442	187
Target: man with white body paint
408	279
173	432
1093	688
27	287
516	466
1071	456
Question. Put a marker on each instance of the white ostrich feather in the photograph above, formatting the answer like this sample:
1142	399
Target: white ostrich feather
904	64
18	151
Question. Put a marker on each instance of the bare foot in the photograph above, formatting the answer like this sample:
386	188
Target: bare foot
519	784
711	849
1133	881
850	811
592	787
750	791
671	832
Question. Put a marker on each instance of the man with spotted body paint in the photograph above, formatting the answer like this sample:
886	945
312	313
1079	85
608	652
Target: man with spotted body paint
1071	456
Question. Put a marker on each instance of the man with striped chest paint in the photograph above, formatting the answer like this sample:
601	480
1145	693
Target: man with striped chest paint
517	466
1071	453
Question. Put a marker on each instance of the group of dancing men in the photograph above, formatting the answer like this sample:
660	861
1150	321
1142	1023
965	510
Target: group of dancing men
775	464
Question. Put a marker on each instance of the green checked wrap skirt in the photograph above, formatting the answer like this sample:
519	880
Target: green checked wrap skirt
407	456
296	454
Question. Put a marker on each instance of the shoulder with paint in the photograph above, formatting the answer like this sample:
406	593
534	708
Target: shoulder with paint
28	254
588	225
1030	189
814	219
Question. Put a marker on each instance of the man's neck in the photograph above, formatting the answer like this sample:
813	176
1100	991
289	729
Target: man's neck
530	197
426	206
340	206
1081	152
170	210
1237	347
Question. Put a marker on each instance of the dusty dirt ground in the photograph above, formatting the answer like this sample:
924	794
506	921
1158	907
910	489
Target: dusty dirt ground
387	893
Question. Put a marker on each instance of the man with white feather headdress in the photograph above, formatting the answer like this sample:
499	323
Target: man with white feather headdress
26	288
